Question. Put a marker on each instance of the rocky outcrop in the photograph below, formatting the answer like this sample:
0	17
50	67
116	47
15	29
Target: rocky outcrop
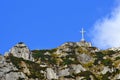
84	44
51	74
14	76
107	69
9	72
115	48
20	50
78	68
64	72
25	68
2	60
70	61
84	58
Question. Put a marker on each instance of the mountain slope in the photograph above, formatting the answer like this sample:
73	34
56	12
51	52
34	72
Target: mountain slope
70	61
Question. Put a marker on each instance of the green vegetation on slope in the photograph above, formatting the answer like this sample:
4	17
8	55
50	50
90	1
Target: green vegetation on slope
34	68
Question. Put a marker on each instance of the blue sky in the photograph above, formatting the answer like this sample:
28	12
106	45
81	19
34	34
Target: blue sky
44	24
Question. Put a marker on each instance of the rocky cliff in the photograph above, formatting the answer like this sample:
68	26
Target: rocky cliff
20	50
70	61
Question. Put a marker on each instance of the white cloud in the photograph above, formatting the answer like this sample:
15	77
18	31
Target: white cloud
106	32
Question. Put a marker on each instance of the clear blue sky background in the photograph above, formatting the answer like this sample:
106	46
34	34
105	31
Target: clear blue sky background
44	24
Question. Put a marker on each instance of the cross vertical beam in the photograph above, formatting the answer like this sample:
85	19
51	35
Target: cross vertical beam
82	32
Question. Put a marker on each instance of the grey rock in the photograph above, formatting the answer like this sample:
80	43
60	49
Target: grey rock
117	77
14	76
9	72
84	58
22	51
51	74
2	60
107	69
64	72
73	44
25	68
66	48
78	68
84	44
114	49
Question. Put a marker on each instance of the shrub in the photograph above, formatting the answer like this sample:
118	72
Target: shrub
117	58
105	76
107	62
86	74
99	55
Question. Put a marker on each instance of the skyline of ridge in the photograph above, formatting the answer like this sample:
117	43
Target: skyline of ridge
48	24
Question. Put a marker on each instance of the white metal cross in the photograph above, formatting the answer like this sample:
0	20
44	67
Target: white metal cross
82	32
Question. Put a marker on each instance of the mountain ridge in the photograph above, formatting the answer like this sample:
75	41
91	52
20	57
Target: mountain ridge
70	61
